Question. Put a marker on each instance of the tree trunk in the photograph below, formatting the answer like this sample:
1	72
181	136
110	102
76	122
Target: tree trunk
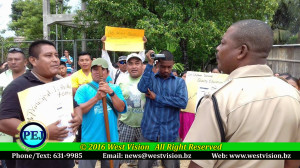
183	47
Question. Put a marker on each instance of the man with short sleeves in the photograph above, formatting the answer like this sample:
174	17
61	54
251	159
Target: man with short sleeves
89	97
82	76
254	106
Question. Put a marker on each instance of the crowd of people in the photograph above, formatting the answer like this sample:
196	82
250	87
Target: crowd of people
144	100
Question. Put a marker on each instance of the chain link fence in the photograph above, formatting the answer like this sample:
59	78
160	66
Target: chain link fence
92	46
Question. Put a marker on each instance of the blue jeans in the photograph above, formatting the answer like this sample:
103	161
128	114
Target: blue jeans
3	164
166	163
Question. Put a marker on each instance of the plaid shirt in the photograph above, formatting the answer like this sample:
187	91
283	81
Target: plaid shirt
161	116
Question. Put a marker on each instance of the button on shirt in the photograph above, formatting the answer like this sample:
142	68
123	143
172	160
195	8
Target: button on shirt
161	116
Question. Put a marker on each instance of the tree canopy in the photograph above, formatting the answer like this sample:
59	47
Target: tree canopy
287	22
192	29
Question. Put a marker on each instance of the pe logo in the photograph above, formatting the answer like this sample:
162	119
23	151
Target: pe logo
33	135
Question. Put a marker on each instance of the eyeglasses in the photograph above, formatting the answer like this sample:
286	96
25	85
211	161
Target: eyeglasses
15	50
122	62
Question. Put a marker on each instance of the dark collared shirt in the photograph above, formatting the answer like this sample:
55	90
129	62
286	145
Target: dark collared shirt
10	108
161	116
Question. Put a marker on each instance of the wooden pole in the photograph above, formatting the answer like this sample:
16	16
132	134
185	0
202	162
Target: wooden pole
104	104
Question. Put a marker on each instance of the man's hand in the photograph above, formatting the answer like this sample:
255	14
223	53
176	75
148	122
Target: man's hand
148	55
150	94
57	133
76	119
103	42
103	38
145	39
100	94
103	86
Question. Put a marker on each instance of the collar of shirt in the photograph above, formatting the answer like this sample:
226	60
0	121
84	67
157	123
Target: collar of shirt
32	78
251	70
171	75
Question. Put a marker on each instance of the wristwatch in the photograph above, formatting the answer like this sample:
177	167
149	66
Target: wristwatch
112	94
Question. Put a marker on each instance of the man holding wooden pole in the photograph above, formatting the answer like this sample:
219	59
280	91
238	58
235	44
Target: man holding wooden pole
90	98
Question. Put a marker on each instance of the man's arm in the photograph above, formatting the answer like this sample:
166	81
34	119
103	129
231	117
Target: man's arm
69	61
106	56
142	53
145	82
179	100
85	104
9	126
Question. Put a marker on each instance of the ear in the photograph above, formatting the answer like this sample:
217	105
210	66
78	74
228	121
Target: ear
243	53
32	60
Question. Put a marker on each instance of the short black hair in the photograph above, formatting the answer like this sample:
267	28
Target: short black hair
84	53
182	73
256	34
292	78
168	56
63	63
34	48
285	75
174	70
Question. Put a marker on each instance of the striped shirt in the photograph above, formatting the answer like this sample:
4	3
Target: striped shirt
69	66
161	116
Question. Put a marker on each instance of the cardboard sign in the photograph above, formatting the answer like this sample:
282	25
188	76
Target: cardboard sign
124	39
198	83
48	103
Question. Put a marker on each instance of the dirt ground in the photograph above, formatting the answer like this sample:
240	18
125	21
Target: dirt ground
183	164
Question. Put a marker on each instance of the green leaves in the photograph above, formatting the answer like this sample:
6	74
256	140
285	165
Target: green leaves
191	29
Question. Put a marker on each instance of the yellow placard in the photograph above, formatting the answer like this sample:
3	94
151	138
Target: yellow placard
199	83
124	39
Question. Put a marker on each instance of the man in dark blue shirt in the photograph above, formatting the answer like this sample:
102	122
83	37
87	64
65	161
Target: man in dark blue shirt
166	95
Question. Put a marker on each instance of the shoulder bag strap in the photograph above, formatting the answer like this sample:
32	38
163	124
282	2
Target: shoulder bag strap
117	75
108	101
218	116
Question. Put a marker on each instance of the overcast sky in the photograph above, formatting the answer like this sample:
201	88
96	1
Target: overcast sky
5	11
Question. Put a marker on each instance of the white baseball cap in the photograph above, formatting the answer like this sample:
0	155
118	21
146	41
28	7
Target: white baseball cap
134	55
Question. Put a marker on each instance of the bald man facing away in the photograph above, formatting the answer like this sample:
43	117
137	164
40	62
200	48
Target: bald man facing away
254	105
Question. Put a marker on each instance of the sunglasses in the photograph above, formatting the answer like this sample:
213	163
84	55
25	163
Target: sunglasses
122	62
15	50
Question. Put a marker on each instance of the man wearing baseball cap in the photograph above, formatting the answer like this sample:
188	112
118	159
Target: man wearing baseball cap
130	122
116	74
89	97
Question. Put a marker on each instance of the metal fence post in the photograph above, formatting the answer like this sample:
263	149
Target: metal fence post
75	54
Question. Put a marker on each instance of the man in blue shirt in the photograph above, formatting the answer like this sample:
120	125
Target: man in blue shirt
89	97
166	95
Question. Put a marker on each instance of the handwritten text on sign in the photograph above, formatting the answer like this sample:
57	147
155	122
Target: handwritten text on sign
124	39
199	83
49	103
